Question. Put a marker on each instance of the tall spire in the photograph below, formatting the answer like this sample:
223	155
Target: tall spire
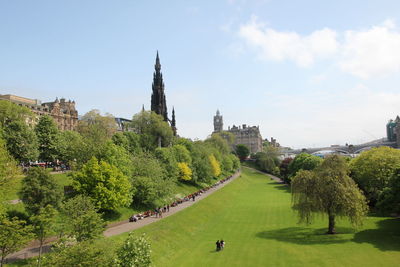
158	100
157	66
173	121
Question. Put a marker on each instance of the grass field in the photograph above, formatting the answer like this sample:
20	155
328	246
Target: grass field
253	216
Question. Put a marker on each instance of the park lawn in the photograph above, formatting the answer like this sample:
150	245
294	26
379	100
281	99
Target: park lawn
253	215
14	187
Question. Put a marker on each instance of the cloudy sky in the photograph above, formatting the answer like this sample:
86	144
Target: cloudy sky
309	73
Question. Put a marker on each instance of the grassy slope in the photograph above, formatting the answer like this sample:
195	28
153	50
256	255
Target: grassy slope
253	216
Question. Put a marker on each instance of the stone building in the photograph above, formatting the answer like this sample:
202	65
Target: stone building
63	112
246	135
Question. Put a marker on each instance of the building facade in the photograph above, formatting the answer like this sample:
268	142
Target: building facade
245	135
63	112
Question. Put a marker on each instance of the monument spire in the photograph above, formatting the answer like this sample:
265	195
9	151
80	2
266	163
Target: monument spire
173	121
158	100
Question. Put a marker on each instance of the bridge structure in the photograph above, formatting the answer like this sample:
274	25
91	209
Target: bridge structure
343	150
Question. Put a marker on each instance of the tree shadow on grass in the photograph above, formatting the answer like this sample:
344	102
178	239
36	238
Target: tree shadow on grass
385	238
285	188
111	215
307	236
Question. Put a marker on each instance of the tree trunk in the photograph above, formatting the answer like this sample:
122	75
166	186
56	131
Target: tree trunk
40	252
331	229
2	260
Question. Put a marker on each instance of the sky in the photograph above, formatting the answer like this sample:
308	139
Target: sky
308	73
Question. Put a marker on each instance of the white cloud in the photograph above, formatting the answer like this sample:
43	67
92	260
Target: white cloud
372	52
364	53
279	46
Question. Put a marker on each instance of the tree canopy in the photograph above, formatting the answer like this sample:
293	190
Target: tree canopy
328	190
104	183
39	189
373	169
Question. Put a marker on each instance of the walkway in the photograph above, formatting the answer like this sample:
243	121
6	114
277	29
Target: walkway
117	228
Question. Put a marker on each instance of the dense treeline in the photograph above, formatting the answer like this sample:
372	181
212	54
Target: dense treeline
110	169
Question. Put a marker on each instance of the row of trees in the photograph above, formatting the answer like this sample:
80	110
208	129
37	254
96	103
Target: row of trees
110	170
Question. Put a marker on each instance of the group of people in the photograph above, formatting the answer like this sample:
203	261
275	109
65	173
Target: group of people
220	244
160	210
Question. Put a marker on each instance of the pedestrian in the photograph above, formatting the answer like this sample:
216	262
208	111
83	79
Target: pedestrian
160	212
222	244
218	245
168	207
193	197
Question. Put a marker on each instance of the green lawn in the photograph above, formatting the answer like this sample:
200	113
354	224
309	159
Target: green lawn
253	216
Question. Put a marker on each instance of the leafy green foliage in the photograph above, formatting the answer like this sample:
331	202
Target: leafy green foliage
328	190
47	134
242	151
39	189
8	173
82	254
70	147
134	252
128	140
21	141
14	234
303	161
43	226
80	219
166	157
150	184
11	112
284	169
389	199
107	186
373	169
152	129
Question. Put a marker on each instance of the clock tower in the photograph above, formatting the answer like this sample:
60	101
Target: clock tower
218	123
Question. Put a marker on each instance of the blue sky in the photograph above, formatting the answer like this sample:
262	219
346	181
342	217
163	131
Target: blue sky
309	73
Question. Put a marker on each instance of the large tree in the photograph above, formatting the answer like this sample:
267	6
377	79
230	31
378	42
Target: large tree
389	199
71	147
47	134
303	161
43	226
80	219
104	183
373	169
14	234
21	141
134	252
330	191
82	254
152	129
11	112
8	173
39	189
242	151
150	184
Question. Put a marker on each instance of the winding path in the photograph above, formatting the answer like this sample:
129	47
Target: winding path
117	228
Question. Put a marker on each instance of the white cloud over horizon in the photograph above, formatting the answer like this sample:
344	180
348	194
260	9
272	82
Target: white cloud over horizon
364	53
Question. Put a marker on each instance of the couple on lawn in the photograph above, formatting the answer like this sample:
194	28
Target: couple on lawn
220	244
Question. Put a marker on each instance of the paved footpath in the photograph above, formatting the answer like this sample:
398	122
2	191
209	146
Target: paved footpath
119	227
